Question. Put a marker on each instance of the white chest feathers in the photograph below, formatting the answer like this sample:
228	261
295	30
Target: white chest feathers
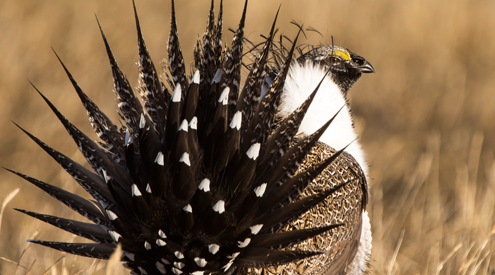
300	83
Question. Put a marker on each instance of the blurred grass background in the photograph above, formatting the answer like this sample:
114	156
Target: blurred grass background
425	118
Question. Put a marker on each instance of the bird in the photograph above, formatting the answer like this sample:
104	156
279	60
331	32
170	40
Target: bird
342	255
208	176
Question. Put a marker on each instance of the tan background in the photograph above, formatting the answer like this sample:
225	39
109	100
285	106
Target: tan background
426	117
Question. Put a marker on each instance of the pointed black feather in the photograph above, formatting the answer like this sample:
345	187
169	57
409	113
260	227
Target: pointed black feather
155	100
230	144
75	202
93	153
89	231
293	209
128	103
102	125
267	109
176	61
98	251
264	256
232	64
135	165
250	96
92	183
246	170
139	203
193	96
183	165
209	64
288	237
197	53
174	114
219	119
218	35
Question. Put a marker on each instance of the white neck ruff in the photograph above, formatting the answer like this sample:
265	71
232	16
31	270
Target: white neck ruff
300	83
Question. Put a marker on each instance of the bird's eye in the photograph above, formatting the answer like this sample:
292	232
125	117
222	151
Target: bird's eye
334	59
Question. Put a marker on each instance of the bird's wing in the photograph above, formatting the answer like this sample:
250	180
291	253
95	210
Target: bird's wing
346	206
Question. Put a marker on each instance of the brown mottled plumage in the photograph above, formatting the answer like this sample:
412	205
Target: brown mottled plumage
344	207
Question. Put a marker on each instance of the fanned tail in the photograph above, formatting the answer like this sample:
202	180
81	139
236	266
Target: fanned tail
198	180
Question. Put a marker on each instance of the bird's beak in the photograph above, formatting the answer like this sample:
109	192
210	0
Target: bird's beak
366	68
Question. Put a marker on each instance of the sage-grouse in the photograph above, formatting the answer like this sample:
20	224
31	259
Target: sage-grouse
207	176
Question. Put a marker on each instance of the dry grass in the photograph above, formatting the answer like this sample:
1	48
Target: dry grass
426	117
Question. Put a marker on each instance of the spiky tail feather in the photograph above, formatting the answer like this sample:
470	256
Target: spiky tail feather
194	181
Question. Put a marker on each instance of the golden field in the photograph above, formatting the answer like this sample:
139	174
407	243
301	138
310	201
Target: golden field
426	118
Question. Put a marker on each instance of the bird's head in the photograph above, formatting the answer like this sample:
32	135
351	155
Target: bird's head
345	66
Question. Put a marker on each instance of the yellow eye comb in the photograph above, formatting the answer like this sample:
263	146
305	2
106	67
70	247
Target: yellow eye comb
342	54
